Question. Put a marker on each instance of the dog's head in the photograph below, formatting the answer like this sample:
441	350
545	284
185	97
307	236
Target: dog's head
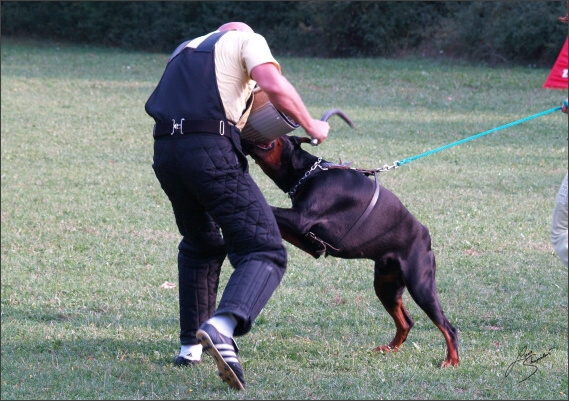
283	160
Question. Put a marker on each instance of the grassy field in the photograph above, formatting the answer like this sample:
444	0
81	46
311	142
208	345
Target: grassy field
88	236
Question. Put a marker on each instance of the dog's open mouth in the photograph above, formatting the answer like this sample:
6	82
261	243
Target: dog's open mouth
251	148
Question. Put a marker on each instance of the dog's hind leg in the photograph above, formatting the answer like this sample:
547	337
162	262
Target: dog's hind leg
389	287
423	289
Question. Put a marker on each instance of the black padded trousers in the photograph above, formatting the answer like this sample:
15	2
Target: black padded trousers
220	211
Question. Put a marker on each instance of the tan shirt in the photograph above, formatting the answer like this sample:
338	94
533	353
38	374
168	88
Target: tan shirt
236	54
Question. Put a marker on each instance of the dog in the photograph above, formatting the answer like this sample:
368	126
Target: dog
339	211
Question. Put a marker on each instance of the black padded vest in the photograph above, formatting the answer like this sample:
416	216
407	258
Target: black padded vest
188	88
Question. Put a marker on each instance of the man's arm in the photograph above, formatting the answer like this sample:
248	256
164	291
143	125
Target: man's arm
285	98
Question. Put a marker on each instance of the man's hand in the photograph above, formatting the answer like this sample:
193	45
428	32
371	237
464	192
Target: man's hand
318	131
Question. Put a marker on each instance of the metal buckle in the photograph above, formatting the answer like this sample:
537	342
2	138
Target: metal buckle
221	128
177	126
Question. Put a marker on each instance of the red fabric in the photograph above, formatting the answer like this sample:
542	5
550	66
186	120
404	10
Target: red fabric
557	78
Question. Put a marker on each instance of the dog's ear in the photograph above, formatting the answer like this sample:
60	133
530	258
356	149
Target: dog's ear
297	140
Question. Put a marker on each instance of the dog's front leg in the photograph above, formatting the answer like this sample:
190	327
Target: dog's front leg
289	221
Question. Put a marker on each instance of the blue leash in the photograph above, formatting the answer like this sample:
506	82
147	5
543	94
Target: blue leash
430	152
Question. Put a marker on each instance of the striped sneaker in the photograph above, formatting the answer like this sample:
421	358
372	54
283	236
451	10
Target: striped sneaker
224	351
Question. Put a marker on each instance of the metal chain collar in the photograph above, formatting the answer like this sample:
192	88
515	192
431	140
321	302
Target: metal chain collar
292	192
316	165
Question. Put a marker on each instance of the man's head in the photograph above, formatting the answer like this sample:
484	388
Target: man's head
235	26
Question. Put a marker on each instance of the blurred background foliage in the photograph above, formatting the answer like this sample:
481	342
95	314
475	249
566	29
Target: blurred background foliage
487	32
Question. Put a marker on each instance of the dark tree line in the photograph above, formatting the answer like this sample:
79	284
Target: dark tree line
490	32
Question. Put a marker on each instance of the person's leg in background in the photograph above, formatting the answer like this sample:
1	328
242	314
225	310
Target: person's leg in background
559	223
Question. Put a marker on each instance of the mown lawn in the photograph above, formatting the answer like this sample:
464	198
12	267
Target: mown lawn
88	237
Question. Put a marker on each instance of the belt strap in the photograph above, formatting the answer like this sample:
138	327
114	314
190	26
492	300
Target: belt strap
190	126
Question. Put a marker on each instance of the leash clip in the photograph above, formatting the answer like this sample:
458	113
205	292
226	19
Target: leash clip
387	167
177	126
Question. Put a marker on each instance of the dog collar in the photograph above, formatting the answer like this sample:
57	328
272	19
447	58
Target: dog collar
292	192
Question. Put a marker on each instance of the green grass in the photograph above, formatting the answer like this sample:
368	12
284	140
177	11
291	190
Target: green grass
88	236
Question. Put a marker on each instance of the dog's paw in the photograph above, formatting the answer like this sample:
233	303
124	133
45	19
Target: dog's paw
385	349
450	364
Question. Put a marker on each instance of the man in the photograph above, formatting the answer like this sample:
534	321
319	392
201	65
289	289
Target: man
200	105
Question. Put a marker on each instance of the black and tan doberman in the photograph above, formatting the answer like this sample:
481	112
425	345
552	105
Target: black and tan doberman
339	211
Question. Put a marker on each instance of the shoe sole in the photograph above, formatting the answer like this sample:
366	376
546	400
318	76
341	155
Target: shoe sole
186	362
224	370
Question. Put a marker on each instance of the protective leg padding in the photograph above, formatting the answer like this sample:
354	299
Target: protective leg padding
248	290
198	280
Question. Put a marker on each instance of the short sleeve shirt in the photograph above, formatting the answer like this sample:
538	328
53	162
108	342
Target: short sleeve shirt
236	54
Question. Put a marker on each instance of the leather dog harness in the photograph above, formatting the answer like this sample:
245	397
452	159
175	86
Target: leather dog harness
357	225
367	212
